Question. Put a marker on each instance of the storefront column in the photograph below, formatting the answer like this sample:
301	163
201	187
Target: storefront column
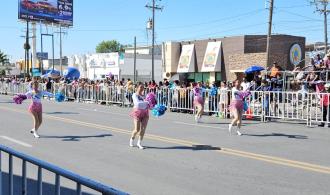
212	77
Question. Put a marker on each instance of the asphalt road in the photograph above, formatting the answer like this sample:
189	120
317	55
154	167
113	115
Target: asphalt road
181	157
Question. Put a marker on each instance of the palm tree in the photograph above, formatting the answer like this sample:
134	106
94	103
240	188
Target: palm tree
3	58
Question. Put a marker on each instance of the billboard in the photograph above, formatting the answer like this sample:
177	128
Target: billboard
187	59
47	11
103	60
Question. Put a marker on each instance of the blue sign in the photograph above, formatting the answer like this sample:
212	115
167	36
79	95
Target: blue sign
36	72
48	11
42	56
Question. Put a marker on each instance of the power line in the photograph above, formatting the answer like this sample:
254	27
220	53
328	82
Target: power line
214	21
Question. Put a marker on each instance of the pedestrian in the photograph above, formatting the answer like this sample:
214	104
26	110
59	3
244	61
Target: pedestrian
198	101
325	106
35	107
237	106
223	91
140	116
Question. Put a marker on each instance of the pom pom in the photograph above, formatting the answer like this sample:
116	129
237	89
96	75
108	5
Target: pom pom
59	97
151	99
158	110
19	98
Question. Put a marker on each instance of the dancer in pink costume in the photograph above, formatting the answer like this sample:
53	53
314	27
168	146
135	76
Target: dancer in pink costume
140	116
237	106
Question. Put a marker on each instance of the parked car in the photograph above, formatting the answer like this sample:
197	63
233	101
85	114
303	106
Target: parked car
45	6
29	5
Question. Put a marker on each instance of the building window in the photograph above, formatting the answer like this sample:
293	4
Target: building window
218	76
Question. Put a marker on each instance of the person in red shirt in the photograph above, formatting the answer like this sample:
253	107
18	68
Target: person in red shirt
325	106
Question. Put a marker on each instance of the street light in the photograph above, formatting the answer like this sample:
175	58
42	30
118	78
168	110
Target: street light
50	35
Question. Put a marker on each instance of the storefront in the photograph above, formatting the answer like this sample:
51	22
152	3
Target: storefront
219	59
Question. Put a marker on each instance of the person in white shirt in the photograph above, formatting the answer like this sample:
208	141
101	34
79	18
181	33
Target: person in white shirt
223	91
237	105
245	85
35	107
140	115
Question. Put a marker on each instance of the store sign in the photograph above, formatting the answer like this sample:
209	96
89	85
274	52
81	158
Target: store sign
187	59
212	58
103	60
295	54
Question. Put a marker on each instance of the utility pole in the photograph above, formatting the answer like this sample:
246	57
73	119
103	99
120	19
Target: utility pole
154	7
134	60
61	50
269	36
27	48
321	6
34	48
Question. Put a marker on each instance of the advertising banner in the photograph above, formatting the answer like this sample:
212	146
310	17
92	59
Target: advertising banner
187	59
212	58
103	60
47	11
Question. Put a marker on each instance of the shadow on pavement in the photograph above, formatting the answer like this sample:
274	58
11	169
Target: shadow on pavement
75	137
193	147
278	135
62	113
32	185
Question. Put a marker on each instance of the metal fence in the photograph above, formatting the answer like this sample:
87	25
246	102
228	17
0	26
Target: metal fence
58	173
263	105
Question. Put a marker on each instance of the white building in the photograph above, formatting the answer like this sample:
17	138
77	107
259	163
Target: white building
98	65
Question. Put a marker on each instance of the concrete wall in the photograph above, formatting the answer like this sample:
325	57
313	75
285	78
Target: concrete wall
143	67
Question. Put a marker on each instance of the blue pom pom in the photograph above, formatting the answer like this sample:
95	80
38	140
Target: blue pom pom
59	97
158	110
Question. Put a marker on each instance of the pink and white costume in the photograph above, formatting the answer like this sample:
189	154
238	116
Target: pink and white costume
36	105
237	102
198	96
141	108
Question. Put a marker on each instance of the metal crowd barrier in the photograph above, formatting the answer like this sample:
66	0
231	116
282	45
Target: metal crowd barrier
264	105
59	172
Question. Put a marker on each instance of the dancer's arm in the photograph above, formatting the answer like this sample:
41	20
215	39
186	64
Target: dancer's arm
28	94
46	93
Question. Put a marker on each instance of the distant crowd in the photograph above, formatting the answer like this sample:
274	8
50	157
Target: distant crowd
311	78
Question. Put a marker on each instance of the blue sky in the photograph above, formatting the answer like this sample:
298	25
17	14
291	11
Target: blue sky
99	20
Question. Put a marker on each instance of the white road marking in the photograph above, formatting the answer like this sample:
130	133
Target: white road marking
16	141
95	110
197	125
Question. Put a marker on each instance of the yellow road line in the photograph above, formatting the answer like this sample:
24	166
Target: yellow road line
228	151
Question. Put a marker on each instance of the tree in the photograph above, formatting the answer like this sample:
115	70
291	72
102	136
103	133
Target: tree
109	46
3	58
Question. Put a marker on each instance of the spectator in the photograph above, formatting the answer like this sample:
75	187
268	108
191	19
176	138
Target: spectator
223	91
275	70
325	105
267	96
327	62
245	85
